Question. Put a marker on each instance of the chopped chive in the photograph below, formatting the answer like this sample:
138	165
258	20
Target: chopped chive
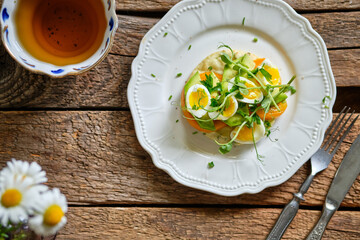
177	120
255	40
170	98
326	97
211	165
165	34
196	132
189	47
179	75
204	133
210	68
153	75
243	21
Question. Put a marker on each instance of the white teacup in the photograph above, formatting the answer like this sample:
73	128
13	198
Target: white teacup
15	48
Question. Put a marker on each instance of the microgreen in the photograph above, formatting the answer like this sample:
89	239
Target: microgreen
228	47
266	74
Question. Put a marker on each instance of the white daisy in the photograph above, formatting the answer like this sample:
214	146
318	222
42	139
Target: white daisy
49	216
17	198
25	170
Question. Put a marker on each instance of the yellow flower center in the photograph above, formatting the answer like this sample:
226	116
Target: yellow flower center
11	198
53	215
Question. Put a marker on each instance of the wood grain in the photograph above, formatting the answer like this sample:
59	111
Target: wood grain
198	223
339	30
94	157
299	5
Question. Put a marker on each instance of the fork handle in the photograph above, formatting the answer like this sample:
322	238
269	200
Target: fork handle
289	212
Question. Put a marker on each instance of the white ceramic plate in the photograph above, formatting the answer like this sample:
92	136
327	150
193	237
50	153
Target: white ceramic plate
284	37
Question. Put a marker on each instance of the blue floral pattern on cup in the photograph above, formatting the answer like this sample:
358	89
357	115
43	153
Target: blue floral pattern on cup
5	15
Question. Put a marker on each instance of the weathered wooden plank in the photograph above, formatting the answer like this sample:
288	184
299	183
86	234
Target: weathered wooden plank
338	30
94	157
198	223
299	5
106	85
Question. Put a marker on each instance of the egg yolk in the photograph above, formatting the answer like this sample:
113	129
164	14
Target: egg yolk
198	98
253	93
275	75
245	134
229	110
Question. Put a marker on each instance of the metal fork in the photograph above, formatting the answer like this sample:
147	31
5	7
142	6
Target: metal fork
319	161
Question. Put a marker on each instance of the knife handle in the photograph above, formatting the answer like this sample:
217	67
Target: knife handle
320	226
290	210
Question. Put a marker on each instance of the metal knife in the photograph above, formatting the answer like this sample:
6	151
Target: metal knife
346	174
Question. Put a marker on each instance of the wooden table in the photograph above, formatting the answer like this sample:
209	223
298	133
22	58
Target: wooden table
81	131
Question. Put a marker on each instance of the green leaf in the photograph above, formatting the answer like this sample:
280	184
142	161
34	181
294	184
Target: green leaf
210	68
224	149
211	165
208	82
266	74
214	102
225	58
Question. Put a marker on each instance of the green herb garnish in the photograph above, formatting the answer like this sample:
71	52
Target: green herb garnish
153	75
165	34
243	21
189	47
170	98
196	132
179	75
211	165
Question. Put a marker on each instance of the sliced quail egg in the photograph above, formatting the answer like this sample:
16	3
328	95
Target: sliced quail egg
197	100
230	109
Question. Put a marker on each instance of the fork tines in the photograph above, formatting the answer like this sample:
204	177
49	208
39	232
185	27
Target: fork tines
328	144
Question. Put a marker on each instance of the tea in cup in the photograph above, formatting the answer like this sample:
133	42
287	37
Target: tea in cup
58	37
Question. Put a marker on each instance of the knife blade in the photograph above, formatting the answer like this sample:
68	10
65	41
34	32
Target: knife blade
346	174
